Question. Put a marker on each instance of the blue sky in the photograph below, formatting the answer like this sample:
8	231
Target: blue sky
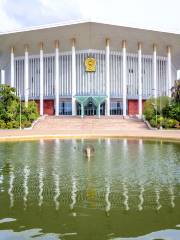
158	14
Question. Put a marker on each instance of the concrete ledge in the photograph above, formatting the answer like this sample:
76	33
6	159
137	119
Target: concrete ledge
34	123
149	125
89	136
88	128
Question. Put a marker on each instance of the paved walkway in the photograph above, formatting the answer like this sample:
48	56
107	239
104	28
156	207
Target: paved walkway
88	127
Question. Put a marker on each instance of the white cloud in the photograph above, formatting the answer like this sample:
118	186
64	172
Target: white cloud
7	23
62	10
141	13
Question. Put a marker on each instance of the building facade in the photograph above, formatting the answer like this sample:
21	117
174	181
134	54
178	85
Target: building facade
87	79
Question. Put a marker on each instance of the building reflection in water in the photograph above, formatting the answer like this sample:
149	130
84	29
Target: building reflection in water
157	195
73	192
57	190
108	176
11	184
107	193
140	170
56	174
141	198
125	194
26	174
1	180
41	172
92	182
41	185
172	197
74	149
125	175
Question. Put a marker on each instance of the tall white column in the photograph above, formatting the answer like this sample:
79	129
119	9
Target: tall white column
169	73
154	71
41	80
12	67
140	79
107	79
26	75
124	78
57	78
73	78
2	76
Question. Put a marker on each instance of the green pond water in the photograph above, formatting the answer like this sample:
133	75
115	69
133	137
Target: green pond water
129	190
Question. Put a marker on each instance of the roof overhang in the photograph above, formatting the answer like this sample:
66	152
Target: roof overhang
90	35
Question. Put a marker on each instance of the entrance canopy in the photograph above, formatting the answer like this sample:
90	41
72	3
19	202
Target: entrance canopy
84	100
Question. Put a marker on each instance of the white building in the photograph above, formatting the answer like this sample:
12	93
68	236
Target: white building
89	67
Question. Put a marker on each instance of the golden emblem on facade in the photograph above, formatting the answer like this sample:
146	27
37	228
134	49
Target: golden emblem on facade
90	64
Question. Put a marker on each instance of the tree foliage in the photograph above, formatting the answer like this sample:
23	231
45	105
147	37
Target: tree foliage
175	91
162	111
10	109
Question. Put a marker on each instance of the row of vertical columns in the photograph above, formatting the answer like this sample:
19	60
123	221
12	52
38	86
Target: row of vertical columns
169	69
73	78
124	78
12	67
155	90
26	75
107	79
140	80
154	71
2	76
41	79
124	55
57	78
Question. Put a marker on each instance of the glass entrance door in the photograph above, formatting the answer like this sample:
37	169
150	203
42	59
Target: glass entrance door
90	109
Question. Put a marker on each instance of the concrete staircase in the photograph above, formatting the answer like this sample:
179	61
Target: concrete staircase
89	124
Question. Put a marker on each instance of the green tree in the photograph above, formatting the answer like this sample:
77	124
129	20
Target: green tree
8	102
10	109
154	106
175	91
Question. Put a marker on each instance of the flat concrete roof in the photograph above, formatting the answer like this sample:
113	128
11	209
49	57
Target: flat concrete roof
90	35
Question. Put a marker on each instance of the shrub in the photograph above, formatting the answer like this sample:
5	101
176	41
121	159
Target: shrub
153	123
172	111
10	109
15	124
177	125
171	123
23	118
149	110
160	119
161	102
175	90
26	124
2	124
9	125
32	117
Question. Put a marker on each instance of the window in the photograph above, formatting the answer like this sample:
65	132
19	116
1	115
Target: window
65	108
116	108
131	70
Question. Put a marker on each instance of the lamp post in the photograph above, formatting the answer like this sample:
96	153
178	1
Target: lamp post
160	109
155	107
20	113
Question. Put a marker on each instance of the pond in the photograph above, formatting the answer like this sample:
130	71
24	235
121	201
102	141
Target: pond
129	190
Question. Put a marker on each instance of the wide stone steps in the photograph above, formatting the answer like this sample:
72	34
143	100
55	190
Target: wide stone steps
89	123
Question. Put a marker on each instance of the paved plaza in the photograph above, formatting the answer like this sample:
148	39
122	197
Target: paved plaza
88	127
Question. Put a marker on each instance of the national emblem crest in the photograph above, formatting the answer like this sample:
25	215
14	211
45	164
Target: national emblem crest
90	64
